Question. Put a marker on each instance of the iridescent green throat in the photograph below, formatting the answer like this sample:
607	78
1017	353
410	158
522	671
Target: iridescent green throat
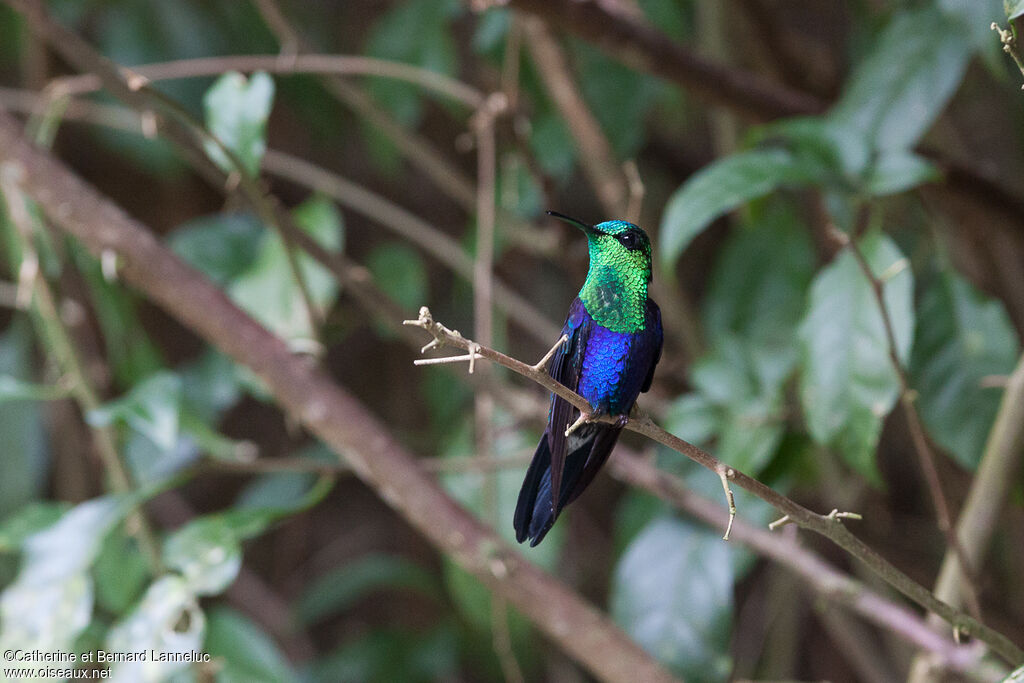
615	293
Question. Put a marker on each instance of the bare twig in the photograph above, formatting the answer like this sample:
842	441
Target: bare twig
817	574
642	47
829	525
596	154
999	468
339	65
52	330
412	227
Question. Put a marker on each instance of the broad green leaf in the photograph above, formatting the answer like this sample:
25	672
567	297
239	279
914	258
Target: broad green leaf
207	554
1014	8
898	171
25	457
267	289
399	270
962	337
167	620
975	17
120	573
50	602
152	408
344	586
744	393
245	652
724	186
693	417
222	246
848	384
237	109
672	593
759	282
905	81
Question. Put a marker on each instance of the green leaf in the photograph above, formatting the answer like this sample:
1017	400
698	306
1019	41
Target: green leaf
898	171
1014	8
962	337
672	593
120	573
745	393
26	457
245	652
222	246
236	114
207	554
267	289
975	18
152	408
341	588
50	601
167	620
725	185
905	81
848	384
759	281
399	270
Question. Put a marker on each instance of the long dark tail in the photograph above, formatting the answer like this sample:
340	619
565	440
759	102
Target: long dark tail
535	511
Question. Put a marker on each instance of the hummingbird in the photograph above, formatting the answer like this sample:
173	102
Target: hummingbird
614	338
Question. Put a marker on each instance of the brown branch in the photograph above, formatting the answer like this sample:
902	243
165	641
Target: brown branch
818	575
641	46
596	154
328	411
829	526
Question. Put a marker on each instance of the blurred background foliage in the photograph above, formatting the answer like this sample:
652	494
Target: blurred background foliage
285	569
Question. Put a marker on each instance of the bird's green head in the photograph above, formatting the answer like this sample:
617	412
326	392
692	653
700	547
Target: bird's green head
615	292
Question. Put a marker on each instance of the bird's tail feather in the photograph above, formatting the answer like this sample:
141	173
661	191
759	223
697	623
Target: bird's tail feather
535	512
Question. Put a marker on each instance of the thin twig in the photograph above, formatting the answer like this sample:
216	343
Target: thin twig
979	518
818	575
339	65
410	226
596	153
925	455
53	332
829	526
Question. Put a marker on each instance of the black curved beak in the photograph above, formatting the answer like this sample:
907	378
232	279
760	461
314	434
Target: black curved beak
589	229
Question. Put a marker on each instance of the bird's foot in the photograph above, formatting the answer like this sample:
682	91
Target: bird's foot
621	421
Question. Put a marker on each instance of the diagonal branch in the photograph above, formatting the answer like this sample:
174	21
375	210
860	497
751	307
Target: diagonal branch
642	47
329	412
829	526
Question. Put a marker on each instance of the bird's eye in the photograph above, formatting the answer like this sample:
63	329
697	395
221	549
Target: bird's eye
628	240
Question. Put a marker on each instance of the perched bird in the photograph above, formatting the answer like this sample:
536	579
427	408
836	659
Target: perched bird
614	342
